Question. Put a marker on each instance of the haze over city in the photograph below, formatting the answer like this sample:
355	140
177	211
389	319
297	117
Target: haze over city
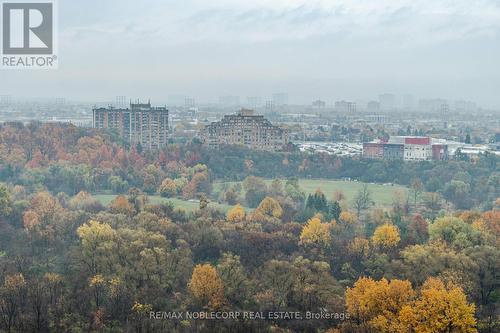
311	49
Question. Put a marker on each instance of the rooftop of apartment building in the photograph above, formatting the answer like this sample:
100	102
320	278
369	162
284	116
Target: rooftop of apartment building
137	106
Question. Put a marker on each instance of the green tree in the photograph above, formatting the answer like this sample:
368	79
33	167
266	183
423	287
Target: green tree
5	201
236	284
255	190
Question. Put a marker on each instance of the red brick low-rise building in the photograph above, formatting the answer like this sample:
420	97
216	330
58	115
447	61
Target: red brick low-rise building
373	150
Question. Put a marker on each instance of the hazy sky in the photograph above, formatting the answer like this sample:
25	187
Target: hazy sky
311	49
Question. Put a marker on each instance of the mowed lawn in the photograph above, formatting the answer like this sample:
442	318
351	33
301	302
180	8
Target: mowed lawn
381	194
188	206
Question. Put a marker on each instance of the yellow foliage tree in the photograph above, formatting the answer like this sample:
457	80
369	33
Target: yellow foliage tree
269	210
347	218
14	282
315	232
440	309
387	235
393	306
359	247
236	214
207	287
377	303
96	242
168	188
270	207
142	309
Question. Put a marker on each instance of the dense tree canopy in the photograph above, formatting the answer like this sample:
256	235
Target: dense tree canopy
72	260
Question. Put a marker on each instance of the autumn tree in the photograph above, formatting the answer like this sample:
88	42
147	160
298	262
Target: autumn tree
236	214
84	201
418	230
43	218
441	308
121	205
386	236
97	283
347	218
269	210
12	295
168	188
393	306
492	220
358	248
315	233
377	303
97	243
207	287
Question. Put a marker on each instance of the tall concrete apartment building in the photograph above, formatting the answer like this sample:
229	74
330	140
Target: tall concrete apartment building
345	107
245	128
140	124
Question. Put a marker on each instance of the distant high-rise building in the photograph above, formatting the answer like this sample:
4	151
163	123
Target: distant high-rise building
434	105
373	106
140	124
246	129
229	101
254	101
387	102
345	107
280	99
408	102
269	106
465	106
445	109
60	101
5	100
319	104
189	102
121	101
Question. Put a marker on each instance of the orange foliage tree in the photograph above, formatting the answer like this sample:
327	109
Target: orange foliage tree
207	287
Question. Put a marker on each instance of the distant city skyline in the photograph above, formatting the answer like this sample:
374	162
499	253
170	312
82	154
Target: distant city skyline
385	102
342	50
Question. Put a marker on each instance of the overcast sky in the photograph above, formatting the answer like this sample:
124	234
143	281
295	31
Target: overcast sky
311	49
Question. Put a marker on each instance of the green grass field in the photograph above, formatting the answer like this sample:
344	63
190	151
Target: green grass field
188	206
381	194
